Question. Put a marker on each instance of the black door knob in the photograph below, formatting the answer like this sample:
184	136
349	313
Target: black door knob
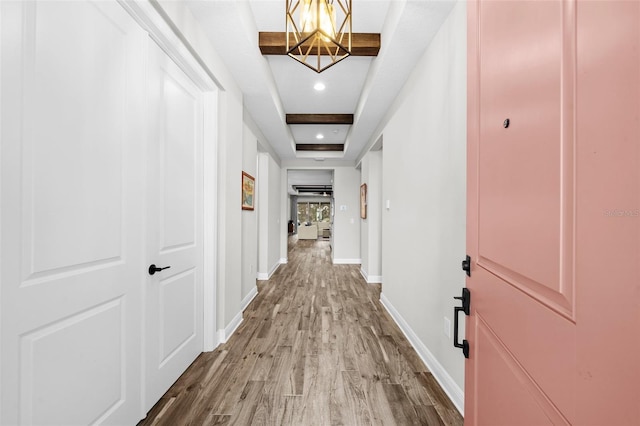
153	269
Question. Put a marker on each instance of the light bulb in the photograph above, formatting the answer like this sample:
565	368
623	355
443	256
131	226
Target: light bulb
318	15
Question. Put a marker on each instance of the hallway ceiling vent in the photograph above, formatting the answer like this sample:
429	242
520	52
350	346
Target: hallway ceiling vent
318	32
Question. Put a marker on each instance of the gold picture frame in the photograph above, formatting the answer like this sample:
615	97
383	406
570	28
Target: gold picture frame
248	191
363	201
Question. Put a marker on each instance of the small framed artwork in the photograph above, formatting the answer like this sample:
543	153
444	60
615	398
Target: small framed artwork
248	191
363	201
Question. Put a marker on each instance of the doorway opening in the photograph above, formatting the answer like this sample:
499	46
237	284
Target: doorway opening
311	204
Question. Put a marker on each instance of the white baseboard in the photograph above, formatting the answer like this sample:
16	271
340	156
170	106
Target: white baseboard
370	279
447	383
265	276
283	261
223	335
274	268
347	261
248	298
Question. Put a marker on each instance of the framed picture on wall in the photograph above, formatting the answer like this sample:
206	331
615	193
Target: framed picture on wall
363	201
248	191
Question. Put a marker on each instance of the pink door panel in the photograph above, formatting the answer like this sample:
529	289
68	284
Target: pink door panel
525	169
608	213
536	305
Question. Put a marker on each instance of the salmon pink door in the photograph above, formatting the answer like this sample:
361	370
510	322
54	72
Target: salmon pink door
553	226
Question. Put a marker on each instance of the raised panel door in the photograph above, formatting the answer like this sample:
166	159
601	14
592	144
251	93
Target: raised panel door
553	228
521	214
71	221
173	329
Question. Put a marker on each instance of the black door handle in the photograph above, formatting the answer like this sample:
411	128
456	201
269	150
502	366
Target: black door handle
153	269
466	308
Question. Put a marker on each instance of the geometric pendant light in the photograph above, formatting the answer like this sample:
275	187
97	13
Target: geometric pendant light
318	32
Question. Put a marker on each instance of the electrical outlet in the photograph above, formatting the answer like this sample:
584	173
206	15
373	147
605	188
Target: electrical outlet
447	327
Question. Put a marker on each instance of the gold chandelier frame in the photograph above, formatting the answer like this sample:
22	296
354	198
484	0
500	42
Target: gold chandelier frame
318	49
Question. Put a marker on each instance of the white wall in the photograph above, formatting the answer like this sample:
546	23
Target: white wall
262	200
284	214
270	211
230	217
346	220
249	222
424	172
374	215
276	225
371	227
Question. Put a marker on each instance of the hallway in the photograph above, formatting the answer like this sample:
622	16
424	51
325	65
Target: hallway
316	348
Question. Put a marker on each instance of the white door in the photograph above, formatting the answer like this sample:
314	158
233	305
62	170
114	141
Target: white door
173	328
71	221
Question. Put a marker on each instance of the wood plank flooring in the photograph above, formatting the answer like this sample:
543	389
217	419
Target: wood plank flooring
316	348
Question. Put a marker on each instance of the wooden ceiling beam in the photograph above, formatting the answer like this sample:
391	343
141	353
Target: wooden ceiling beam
319	118
319	147
362	44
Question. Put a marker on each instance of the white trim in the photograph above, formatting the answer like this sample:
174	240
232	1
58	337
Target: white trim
210	228
153	19
283	260
447	383
262	276
1	283
371	279
248	298
225	334
347	261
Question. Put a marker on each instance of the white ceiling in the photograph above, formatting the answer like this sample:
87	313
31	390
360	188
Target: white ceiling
273	86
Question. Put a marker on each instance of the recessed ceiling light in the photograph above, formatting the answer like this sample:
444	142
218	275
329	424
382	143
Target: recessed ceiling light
319	86
319	136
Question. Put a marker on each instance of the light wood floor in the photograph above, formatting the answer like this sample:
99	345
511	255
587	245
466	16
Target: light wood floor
316	348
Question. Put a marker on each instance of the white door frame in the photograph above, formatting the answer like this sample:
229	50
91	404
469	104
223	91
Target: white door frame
154	21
